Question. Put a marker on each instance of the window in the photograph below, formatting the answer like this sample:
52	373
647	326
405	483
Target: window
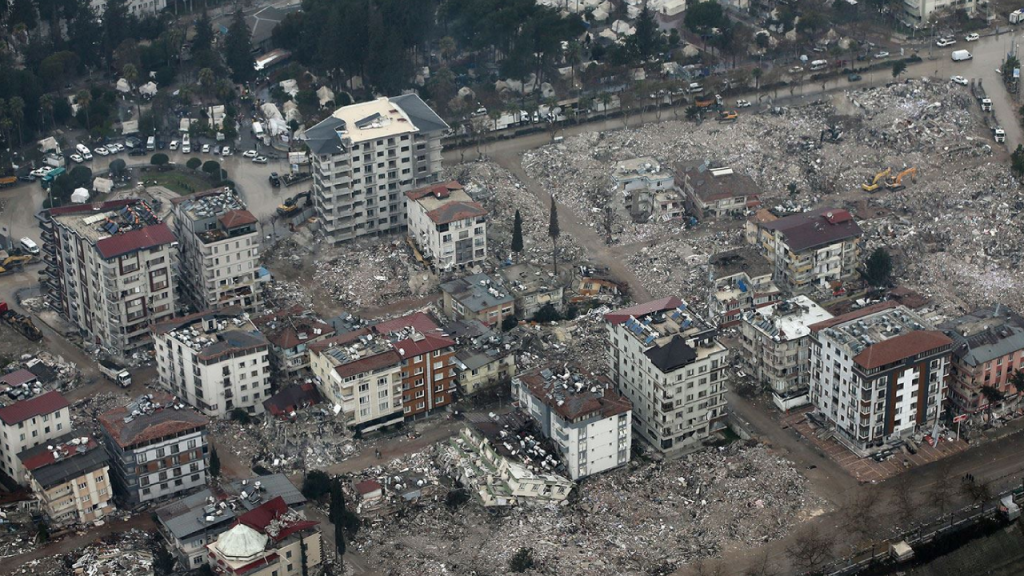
364	387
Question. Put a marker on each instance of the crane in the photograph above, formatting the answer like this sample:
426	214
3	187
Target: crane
875	183
897	182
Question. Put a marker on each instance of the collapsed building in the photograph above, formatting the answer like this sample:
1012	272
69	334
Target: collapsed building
484	360
533	288
289	333
70	476
715	192
477	297
648	190
741	281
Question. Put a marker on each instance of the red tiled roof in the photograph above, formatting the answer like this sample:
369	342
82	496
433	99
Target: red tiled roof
259	518
865	311
18	377
408	348
420	321
571	404
288	324
374	362
159	423
620	316
235	218
148	237
455	211
440	191
45	457
367	486
900	347
43	404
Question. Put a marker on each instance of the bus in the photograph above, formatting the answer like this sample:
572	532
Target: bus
50	176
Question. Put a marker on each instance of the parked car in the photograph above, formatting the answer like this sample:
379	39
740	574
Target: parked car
174	144
882	54
160	144
854	77
226	151
259	160
186	148
115	147
40	172
972	37
137	152
959	80
206	148
249	154
943	42
743	104
76	158
101	150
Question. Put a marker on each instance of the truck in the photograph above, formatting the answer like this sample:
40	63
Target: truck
49	177
1017	16
7	181
982	97
116	373
960	55
999	134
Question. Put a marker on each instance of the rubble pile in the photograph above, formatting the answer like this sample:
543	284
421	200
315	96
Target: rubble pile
627	521
581	341
84	412
679	266
314	437
128	553
65	375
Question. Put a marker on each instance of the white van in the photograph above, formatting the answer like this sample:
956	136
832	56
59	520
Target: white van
819	65
186	146
84	151
29	246
961	55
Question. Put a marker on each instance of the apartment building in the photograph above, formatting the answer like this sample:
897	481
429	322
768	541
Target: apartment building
271	540
742	281
477	297
481	369
988	347
157	448
137	8
110	271
648	190
666	360
290	332
777	350
217	361
878	374
810	250
581	413
427	362
218	251
715	192
365	157
449	228
70	477
918	13
29	423
361	374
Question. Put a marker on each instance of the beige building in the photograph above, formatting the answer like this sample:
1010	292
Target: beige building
480	369
219	251
716	192
533	288
290	332
477	297
30	423
365	157
449	228
70	476
110	270
271	540
742	281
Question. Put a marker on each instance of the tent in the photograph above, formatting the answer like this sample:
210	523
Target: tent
130	127
49	144
148	89
80	196
123	86
325	95
103	185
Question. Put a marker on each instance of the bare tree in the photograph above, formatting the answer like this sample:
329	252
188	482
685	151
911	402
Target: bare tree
811	549
859	514
941	492
976	491
903	504
763	566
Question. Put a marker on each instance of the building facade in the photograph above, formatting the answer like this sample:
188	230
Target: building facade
290	332
715	192
810	250
449	228
878	374
427	361
988	348
365	157
30	423
362	376
742	281
217	361
110	270
918	13
218	251
666	360
157	449
71	478
582	414
137	8
480	369
648	191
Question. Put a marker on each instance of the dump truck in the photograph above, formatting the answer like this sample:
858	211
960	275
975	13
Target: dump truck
291	206
8	181
23	324
872	184
999	134
979	93
897	182
728	116
708	101
116	373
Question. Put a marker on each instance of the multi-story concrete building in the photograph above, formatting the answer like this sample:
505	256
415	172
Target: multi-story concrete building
157	448
581	413
776	348
878	374
483	368
666	360
428	362
29	423
216	361
810	250
137	8
648	191
290	332
110	270
988	347
449	228
218	251
918	13
365	157
271	540
534	287
742	281
361	374
714	192
70	476
477	297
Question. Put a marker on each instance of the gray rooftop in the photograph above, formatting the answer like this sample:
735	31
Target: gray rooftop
732	262
985	334
270	487
422	116
478	292
85	459
188	516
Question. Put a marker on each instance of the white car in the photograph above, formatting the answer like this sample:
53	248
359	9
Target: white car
115	147
959	80
249	154
882	54
226	151
206	148
972	37
174	145
742	104
259	160
101	151
186	148
40	172
77	159
943	42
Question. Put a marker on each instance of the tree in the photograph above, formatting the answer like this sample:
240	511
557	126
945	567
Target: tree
903	506
993	395
554	233
203	40
647	40
1017	381
509	322
193	163
522	560
23	12
878	268
316	484
1017	161
811	549
83	99
214	463
447	48
46	105
211	167
703	17
940	493
517	233
207	79
116	24
16	110
238	50
159	159
117	167
898	67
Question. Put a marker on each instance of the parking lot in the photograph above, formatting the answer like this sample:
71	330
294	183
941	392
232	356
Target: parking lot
868	469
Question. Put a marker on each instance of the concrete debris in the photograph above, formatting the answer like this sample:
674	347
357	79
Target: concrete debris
128	553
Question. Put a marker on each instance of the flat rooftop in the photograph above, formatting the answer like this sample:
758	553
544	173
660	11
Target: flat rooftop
672	334
574	394
787	320
985	334
732	262
644	166
528	279
375	119
115	228
213	333
881	334
478	292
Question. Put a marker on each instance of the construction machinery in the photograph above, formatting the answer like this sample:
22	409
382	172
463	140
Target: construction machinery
897	182
875	183
728	116
708	101
12	263
23	324
291	206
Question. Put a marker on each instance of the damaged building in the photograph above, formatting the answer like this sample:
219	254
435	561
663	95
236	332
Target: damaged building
427	362
70	477
289	333
448	227
715	192
988	348
648	190
477	297
533	288
270	539
742	281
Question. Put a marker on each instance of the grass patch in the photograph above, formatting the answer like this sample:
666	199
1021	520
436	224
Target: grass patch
177	182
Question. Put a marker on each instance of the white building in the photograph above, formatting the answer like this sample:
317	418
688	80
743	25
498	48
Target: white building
878	374
447	225
219	251
777	350
919	13
110	270
157	448
137	8
742	281
365	157
582	414
216	361
29	423
666	361
272	540
647	189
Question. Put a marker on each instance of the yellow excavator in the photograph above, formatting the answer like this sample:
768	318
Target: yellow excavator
897	182
11	263
728	116
876	182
